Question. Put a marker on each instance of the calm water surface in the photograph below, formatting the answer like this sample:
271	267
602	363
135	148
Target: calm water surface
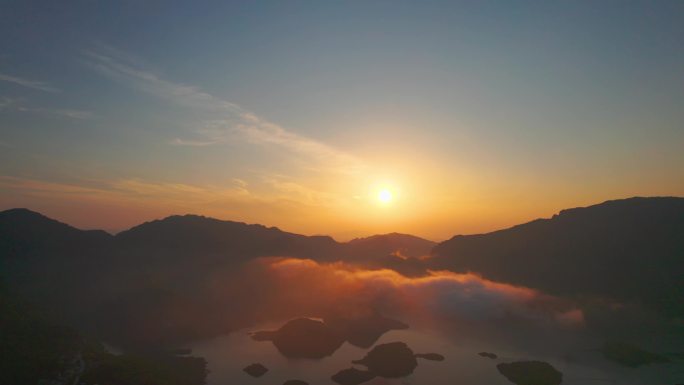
228	355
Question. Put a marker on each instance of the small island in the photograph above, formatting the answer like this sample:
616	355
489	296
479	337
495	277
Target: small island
303	338
390	360
295	382
255	370
630	355
352	376
530	373
430	356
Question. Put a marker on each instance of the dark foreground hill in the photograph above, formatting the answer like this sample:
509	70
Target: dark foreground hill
178	276
25	233
631	250
36	349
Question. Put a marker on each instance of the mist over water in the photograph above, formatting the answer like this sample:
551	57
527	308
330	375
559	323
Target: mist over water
456	315
228	355
437	295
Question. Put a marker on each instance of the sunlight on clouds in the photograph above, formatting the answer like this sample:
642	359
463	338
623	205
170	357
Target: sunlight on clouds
291	180
234	118
441	294
126	190
333	189
321	178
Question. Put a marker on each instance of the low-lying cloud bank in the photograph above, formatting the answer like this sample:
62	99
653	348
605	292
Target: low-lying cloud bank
168	310
285	285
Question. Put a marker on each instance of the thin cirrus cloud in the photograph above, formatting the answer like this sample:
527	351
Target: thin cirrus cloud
134	200
74	114
120	203
234	118
128	190
34	84
14	104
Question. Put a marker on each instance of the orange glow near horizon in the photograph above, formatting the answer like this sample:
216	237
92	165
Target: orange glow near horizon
422	198
351	134
437	294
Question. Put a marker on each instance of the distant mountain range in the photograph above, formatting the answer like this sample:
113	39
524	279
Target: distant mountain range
628	250
25	233
119	283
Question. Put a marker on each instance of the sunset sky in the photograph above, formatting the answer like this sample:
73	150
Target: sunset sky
463	117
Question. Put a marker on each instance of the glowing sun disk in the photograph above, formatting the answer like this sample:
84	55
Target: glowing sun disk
385	196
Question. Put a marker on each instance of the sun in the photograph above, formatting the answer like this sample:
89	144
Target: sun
385	196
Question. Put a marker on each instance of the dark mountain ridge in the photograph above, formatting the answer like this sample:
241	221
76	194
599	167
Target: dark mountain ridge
25	232
630	249
404	244
163	272
180	277
199	228
198	234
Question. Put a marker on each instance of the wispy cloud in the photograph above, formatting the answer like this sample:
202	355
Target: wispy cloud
234	118
14	104
241	185
191	142
34	84
127	190
36	187
74	114
286	187
210	132
231	198
9	103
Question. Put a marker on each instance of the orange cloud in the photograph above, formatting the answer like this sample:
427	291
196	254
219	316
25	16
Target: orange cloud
307	284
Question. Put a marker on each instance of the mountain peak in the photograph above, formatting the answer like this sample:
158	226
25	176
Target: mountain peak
627	249
382	244
630	205
25	218
188	223
21	212
394	236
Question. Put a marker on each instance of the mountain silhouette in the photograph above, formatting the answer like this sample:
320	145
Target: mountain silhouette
198	234
25	233
182	277
159	273
191	238
49	262
629	249
402	253
377	245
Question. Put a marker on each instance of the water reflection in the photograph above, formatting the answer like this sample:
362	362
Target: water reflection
227	355
364	331
314	338
303	338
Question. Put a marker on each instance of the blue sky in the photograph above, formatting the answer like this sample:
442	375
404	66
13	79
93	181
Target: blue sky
478	114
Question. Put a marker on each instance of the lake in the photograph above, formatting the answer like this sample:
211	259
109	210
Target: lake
575	356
